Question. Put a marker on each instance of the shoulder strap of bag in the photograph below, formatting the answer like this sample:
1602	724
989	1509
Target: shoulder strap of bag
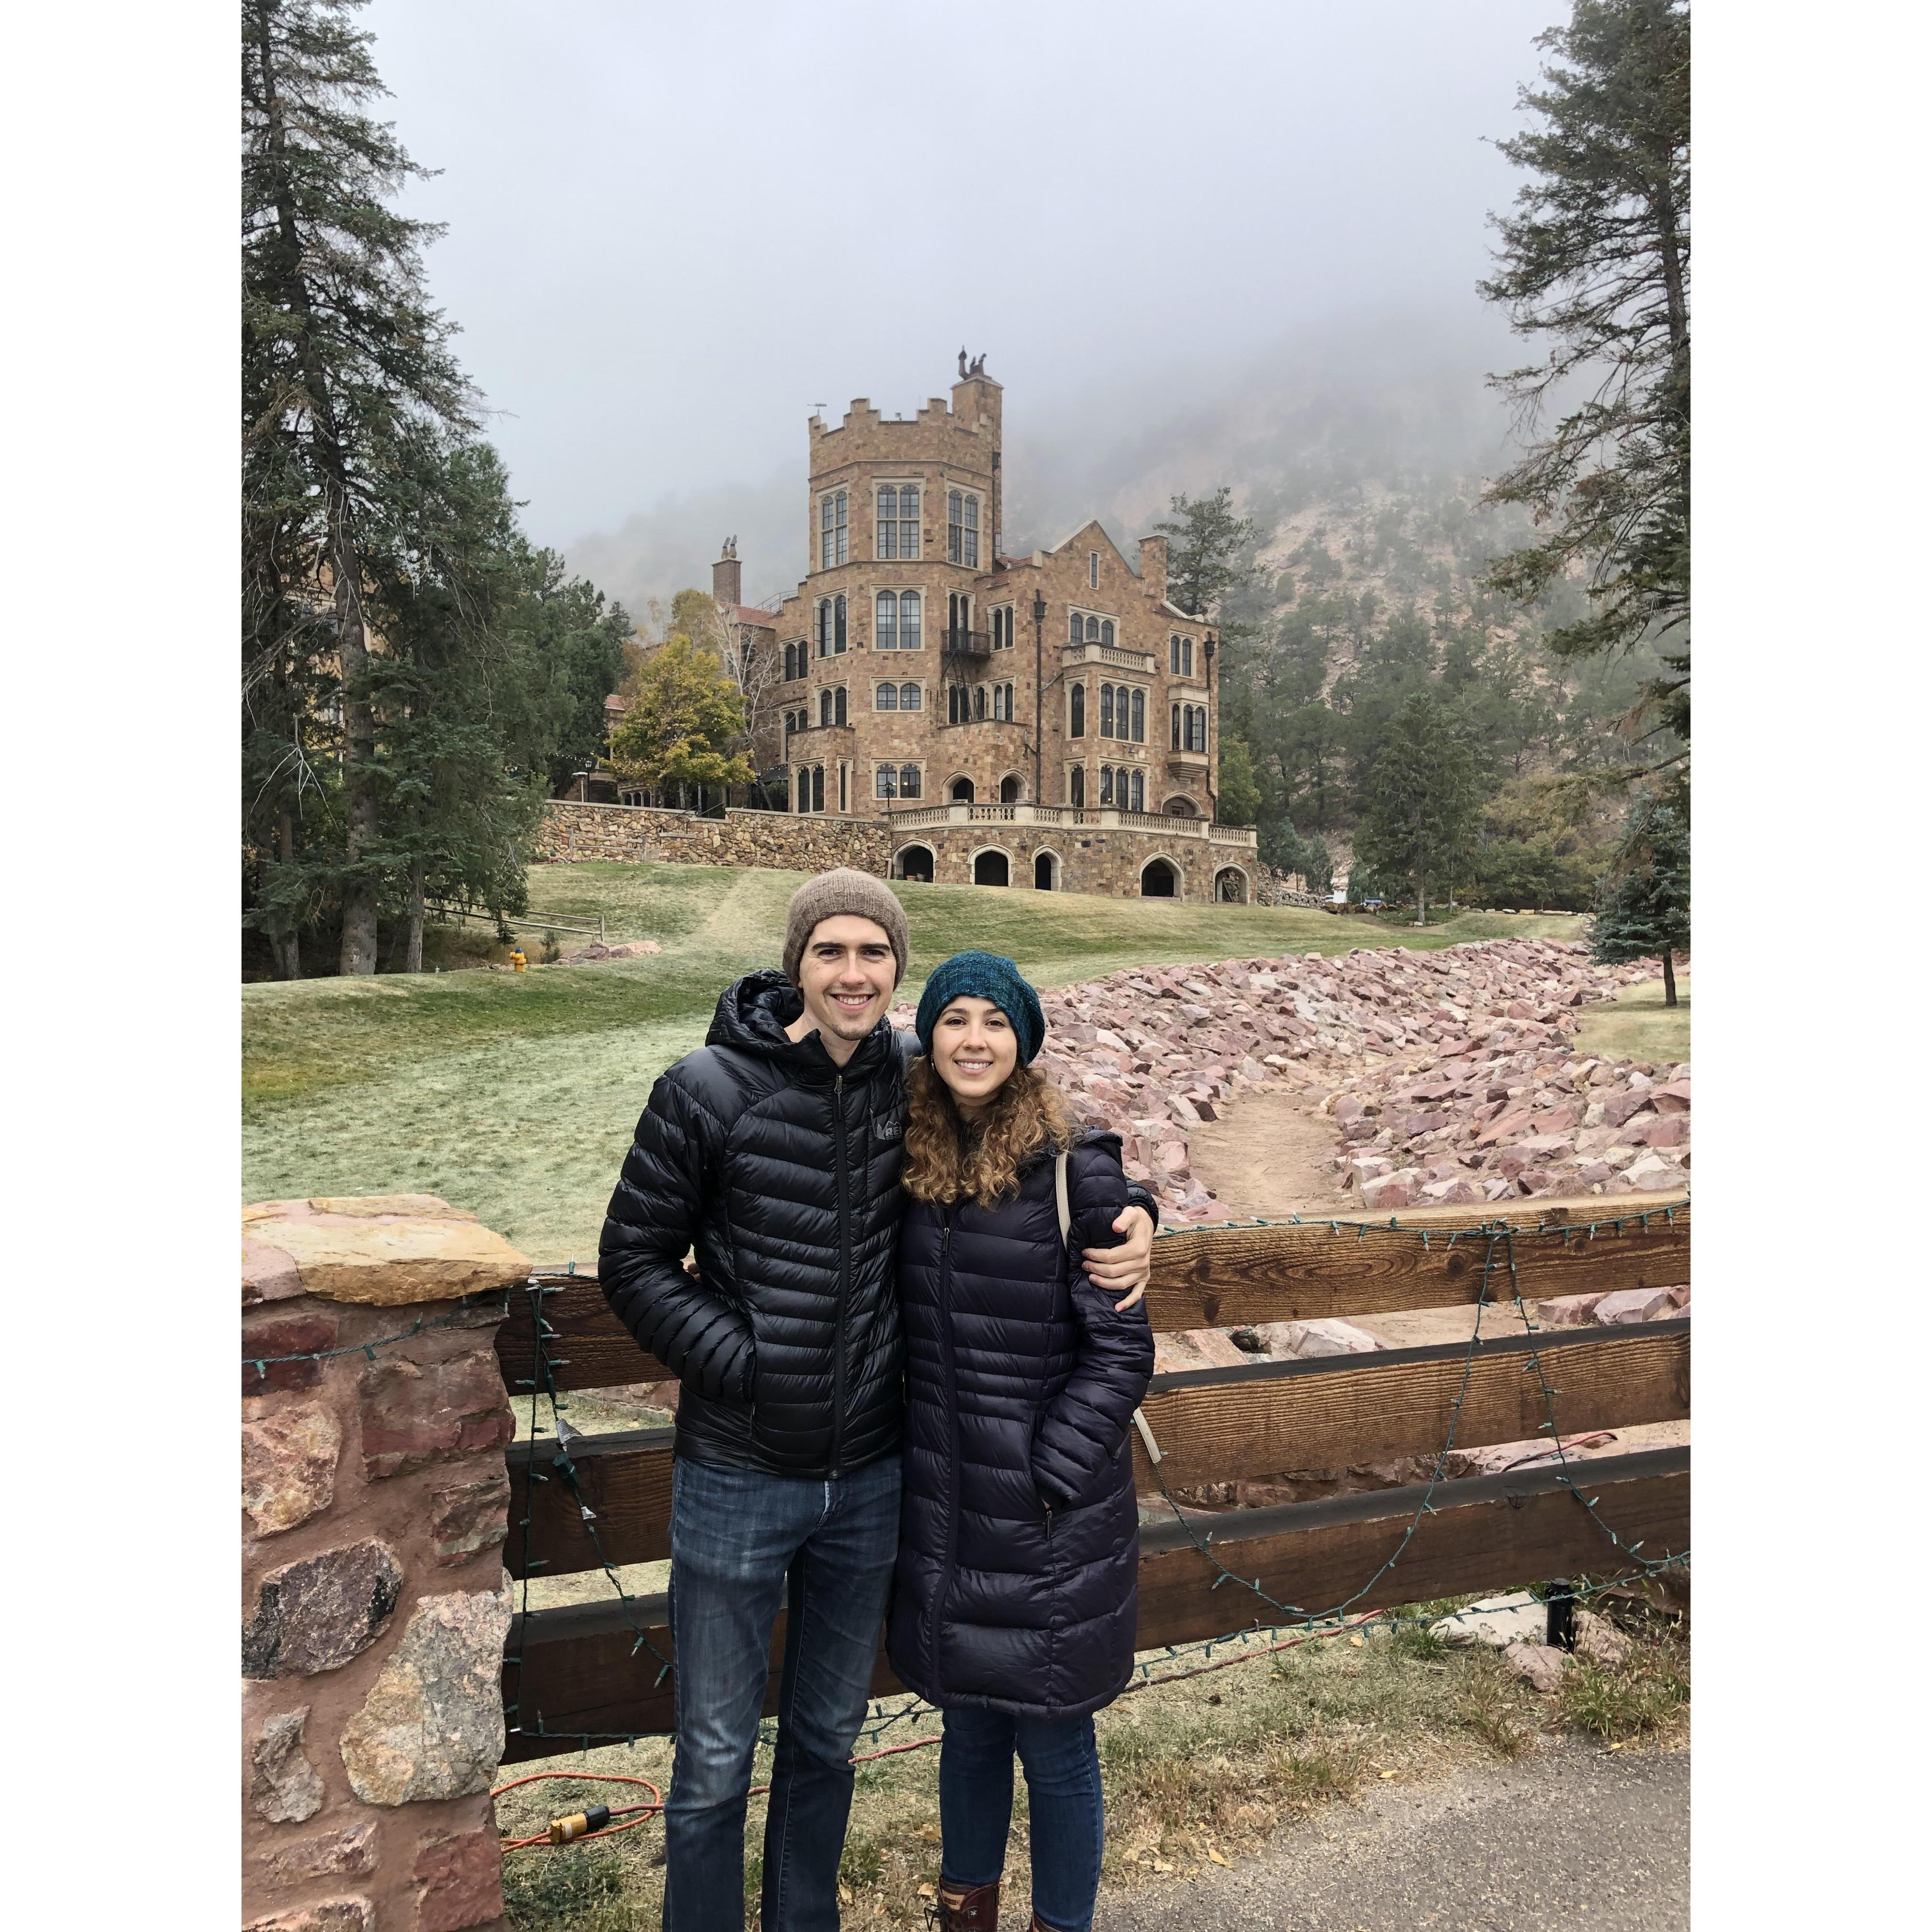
1059	1196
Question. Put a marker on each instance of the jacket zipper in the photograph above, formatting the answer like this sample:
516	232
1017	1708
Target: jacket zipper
845	1272
950	1385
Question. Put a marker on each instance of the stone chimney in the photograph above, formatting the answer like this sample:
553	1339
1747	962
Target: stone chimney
1154	567
726	580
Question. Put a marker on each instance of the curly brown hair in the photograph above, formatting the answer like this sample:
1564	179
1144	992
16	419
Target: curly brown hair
950	1158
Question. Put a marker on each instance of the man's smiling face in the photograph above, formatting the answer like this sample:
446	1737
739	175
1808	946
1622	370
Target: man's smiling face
847	975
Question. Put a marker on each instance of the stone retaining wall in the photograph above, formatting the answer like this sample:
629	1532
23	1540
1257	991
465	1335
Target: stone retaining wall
375	1604
791	842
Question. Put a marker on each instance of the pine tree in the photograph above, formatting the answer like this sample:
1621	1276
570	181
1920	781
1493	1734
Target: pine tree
1643	910
346	374
1595	258
1422	802
1205	541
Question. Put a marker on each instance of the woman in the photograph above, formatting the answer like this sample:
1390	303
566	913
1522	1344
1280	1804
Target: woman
1013	1602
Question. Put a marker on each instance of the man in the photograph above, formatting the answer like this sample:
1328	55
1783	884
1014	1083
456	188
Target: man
774	1150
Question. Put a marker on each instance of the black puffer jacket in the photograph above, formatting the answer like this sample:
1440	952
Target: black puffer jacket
1019	1536
783	1170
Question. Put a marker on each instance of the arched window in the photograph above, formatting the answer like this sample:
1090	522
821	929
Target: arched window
838	623
908	614
887	545
1197	727
833	518
1139	733
962	529
838	706
885	781
978	701
955	704
1076	713
1093	630
909	697
825	707
1106	784
908	781
886	620
1106	630
823	630
805	788
1074	630
1140	791
1173	741
818	787
1106	715
885	697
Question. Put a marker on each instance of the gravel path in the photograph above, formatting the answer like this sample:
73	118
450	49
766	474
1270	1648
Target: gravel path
1573	1834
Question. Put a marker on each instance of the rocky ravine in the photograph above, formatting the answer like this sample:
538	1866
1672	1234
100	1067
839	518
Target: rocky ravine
1451	1076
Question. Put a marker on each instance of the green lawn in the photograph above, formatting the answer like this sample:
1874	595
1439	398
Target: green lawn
514	1094
1637	1025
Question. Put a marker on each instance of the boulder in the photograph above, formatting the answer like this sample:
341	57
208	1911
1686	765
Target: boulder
432	1726
1637	1304
1540	1666
1308	1339
1393	1190
385	1249
316	1614
1568	1311
288	1462
1496	1621
1600	1640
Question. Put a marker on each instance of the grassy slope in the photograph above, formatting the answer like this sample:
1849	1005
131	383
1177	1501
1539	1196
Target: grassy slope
1637	1025
514	1095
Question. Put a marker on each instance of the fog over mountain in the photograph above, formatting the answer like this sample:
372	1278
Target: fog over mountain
1238	244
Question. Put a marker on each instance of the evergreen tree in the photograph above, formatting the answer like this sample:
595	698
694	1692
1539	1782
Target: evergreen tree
1238	798
347	373
1422	803
1205	540
1643	910
1595	258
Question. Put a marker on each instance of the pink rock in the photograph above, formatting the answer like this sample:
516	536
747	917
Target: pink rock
1673	1099
1568	1311
1662	1130
1548	1146
1391	1190
1636	1304
1506	1126
1308	1339
1540	1666
1618	1107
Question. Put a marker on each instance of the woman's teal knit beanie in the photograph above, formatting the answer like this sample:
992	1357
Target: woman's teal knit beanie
982	976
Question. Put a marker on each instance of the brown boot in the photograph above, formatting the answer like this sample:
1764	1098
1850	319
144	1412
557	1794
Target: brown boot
972	1908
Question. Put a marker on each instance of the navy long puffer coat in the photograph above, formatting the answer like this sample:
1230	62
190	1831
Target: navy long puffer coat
1019	1539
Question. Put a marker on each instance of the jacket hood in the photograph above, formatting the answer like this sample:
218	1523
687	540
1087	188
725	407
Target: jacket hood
753	1013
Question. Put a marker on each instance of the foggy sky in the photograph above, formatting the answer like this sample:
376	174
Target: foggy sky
1183	237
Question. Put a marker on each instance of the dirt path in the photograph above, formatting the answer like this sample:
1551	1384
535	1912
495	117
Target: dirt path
1574	1833
1268	1156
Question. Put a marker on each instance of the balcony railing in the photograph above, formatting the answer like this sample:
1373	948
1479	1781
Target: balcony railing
1097	817
1112	655
966	644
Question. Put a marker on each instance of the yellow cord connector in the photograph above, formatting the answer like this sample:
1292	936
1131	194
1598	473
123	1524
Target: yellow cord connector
579	1824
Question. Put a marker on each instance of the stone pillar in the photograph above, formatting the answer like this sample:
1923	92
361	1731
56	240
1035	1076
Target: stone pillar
375	1605
1153	571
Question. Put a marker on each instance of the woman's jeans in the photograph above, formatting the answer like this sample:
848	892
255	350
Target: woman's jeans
975	1808
741	1544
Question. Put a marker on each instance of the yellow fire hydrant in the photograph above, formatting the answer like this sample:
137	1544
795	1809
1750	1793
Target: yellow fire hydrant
518	962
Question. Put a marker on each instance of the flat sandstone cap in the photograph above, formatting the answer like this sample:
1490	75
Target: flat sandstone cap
381	1249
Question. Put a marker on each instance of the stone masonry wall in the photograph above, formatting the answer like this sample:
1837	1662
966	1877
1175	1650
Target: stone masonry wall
375	1604
793	844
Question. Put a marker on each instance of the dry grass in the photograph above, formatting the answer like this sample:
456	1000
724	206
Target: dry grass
1637	1025
1196	1773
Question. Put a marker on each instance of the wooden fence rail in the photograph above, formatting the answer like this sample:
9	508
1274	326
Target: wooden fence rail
579	1669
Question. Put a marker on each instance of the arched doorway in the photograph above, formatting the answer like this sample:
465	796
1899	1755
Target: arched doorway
990	868
1181	808
1231	886
1046	872
913	862
1010	788
1158	881
961	791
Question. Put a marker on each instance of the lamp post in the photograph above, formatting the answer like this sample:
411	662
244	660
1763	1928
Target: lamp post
1039	693
1213	796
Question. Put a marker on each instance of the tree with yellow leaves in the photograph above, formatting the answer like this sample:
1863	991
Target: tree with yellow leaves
685	711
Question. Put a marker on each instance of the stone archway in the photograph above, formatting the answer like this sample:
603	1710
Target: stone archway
1046	871
1160	879
913	862
991	867
1231	886
960	791
1013	789
1181	808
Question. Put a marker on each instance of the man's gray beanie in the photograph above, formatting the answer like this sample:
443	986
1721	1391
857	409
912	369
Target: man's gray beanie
842	891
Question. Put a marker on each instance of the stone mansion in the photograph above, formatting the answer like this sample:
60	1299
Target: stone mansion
1047	720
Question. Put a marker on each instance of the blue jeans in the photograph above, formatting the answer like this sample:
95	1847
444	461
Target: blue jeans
738	1538
975	1808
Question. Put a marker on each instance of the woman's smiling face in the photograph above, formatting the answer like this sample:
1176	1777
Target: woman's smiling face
974	1050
